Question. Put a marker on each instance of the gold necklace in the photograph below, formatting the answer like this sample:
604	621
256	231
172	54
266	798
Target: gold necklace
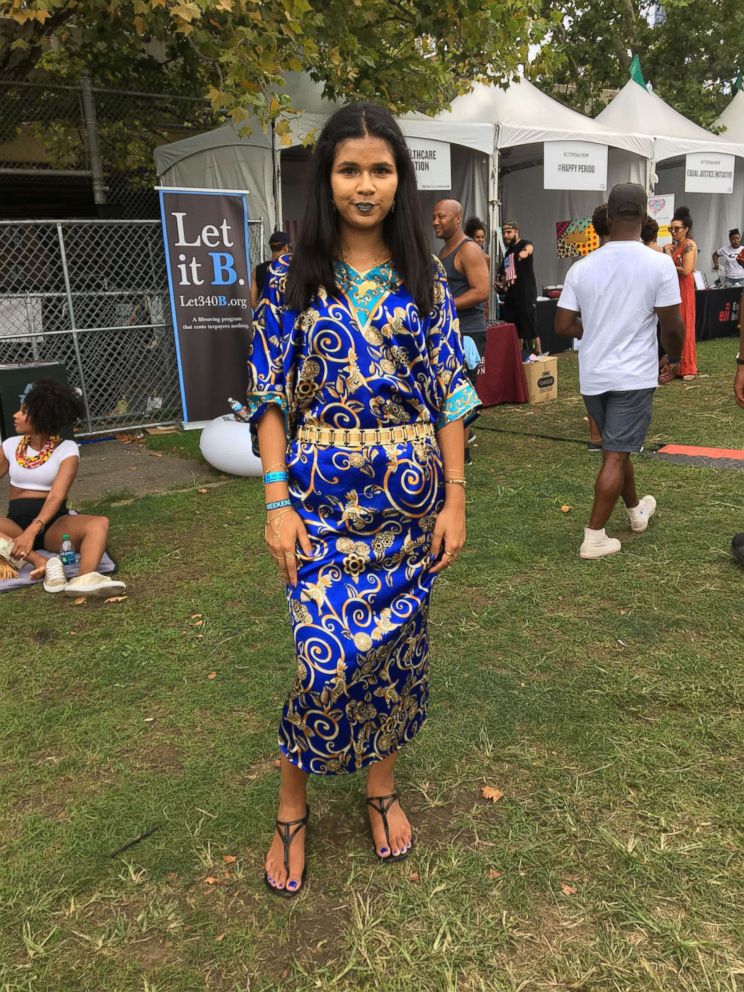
377	260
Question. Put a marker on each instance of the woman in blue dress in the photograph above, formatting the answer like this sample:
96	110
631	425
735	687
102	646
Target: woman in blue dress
358	395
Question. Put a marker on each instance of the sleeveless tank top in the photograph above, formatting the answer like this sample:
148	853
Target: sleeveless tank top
472	320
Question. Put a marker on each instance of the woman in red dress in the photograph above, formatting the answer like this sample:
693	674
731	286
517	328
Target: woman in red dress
684	255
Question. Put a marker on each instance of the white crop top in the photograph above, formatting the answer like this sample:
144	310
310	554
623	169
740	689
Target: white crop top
42	477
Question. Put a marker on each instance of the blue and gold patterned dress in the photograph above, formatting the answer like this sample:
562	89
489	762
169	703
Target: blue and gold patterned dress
362	359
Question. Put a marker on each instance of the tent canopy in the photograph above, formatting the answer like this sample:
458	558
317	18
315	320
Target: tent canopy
222	158
525	115
732	119
638	110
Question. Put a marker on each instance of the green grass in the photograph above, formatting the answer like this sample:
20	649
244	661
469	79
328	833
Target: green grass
184	444
603	698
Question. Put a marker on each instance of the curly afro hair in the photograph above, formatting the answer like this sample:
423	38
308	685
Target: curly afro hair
50	405
473	224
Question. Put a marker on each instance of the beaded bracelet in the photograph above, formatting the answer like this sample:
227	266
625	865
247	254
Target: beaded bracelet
277	504
457	482
270	477
278	467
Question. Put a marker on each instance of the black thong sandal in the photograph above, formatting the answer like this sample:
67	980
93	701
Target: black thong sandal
381	804
288	830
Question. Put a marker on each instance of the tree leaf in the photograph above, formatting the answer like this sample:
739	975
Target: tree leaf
488	792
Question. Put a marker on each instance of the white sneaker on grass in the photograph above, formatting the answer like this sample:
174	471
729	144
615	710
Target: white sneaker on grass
54	575
94	584
641	514
597	544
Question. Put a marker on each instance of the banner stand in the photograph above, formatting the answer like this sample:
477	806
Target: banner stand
205	235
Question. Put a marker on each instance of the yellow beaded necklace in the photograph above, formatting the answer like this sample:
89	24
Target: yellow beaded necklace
33	461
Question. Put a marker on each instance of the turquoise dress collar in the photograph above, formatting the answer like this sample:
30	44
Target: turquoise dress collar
365	290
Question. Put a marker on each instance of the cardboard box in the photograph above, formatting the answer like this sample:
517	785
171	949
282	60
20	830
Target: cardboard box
542	379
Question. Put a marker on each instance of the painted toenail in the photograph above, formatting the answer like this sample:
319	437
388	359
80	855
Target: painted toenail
384	850
292	885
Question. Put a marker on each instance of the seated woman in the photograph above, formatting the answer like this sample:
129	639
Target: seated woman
42	469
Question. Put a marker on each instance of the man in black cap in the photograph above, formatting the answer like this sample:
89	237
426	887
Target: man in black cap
278	245
611	300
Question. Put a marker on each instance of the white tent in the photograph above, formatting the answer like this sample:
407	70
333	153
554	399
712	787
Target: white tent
673	135
221	159
525	118
732	119
275	175
639	110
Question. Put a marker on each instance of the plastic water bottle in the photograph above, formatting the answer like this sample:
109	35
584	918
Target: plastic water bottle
240	411
66	552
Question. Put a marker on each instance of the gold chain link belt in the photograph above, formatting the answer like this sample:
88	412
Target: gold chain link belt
363	437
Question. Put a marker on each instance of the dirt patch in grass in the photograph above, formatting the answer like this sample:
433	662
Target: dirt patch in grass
148	953
163	757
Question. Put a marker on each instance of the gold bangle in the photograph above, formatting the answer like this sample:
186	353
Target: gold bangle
279	467
456	482
38	520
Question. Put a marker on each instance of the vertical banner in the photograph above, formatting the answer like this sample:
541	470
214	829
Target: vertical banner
661	209
205	233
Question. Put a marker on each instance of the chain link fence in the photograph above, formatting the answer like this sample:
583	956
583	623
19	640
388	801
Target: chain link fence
73	129
93	296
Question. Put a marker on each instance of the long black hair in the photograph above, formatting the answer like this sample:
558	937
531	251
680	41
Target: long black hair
403	227
50	405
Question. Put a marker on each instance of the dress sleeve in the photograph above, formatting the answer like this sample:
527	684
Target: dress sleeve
266	378
456	396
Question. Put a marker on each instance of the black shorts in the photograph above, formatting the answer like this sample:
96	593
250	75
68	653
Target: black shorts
23	511
524	316
622	416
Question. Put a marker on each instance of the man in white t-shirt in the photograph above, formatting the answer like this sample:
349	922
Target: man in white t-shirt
726	261
611	300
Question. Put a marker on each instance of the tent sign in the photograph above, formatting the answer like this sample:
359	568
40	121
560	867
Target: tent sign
661	209
709	172
574	165
205	233
431	160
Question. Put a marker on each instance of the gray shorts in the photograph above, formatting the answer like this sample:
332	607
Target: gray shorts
622	416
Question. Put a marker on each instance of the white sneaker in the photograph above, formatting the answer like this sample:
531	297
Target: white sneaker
54	575
641	514
94	584
596	544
